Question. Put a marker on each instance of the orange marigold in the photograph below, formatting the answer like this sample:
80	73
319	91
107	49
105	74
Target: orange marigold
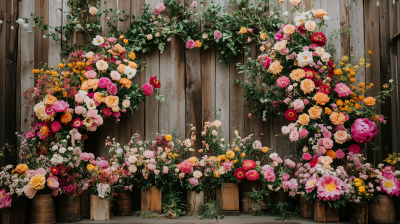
370	101
331	154
65	118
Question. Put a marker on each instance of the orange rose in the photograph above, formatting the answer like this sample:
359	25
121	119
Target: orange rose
275	67
125	41
118	48
85	86
304	119
242	30
125	83
121	37
65	118
21	168
337	118
331	154
99	97
198	43
111	101
50	99
307	86
315	112
321	98
320	13
93	83
289	29
297	74
132	64
121	68
369	101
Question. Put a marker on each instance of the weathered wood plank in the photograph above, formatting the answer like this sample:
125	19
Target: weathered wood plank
55	20
107	4
357	37
125	7
396	81
236	104
344	21
3	44
41	44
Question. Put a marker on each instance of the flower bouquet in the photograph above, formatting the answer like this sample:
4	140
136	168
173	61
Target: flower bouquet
12	184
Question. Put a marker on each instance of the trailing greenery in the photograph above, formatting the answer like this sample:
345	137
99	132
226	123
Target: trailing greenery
209	210
258	197
281	210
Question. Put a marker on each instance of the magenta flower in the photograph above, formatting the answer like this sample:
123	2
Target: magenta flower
29	134
217	34
60	106
103	164
5	199
77	123
147	89
55	126
107	112
340	154
49	110
303	133
111	88
252	175
111	40
330	188
186	167
342	90
193	181
286	177
363	130
307	156
354	148
283	81
310	184
103	82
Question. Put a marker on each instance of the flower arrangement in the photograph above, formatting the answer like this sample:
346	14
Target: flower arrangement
12	184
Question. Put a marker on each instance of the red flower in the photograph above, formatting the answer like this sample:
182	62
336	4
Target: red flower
331	64
248	164
318	39
291	115
324	89
313	162
301	29
154	82
55	170
240	174
252	175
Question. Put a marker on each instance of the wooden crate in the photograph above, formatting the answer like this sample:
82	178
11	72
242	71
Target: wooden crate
358	213
247	203
324	213
99	208
194	199
382	211
151	200
17	215
306	208
227	195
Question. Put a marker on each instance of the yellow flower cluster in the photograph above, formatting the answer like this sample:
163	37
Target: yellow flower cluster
172	155
393	159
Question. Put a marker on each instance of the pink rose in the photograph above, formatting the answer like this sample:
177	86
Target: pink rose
111	88
29	191
340	154
159	8
306	102
307	156
91	74
190	44
165	169
322	150
298	105
79	110
303	133
118	62
60	106
84	157
327	134
31	173
41	171
115	76
55	126
286	177
363	130
354	148
92	113
193	181
283	81
327	143
342	90
285	51
103	82
111	40
79	98
193	5
294	136
103	164
292	126
285	130
147	89
217	34
287	100
93	127
98	120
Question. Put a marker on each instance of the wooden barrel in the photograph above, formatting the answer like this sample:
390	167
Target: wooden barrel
323	213
16	215
68	208
42	210
283	197
358	213
382	211
306	208
85	204
124	203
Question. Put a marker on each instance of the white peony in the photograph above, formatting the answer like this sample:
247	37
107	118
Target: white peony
54	148
222	170
56	160
62	150
300	19
130	72
273	155
320	51
98	40
119	151
304	58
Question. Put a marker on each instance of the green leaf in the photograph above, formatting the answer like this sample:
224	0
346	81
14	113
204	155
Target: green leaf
160	97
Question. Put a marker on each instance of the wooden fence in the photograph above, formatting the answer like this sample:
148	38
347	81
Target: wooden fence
194	83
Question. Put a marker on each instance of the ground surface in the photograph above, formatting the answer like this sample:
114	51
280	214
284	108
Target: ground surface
243	218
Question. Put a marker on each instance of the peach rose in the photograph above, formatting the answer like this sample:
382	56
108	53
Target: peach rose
102	65
93	83
337	118
295	2
326	160
115	75
320	51
89	55
320	13
126	103
115	109
121	68
340	137
125	83
304	119
50	99
118	48
93	10
29	191
85	86
111	101
280	46
321	98
275	67
297	74
310	25
21	169
132	64
289	29
369	101
315	112
307	86
99	97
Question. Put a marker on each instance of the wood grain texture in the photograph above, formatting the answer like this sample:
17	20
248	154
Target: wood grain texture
323	213
41	44
85	204
42	210
208	65
357	37
3	43
151	200
55	20
107	4
194	199
228	196
358	213
16	215
396	81
344	21
382	211
247	203
306	208
99	208
236	104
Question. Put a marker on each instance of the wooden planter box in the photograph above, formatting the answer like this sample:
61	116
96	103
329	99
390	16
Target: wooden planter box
324	213
382	211
151	200
42	210
247	203
227	195
17	215
68	208
358	213
85	204
194	199
306	208
124	203
99	208
283	197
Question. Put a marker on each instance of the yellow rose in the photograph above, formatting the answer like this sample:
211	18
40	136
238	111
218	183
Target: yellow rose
304	119
243	154
193	159
21	168
321	98
297	74
369	101
168	137
90	167
263	36
85	86
37	182
289	29
132	64
295	2
264	149
337	118
307	86
118	48
315	112
198	43
111	101
125	83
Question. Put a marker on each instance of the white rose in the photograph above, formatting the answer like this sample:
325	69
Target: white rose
62	150
126	103
98	40
197	174
132	159
325	57
222	170
132	168
54	148
304	58
320	51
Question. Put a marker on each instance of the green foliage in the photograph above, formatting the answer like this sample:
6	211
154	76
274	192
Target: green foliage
173	205
281	210
209	210
258	198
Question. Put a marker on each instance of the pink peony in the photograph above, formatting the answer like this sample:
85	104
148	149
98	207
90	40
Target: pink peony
84	157
217	34
29	191
98	120
60	106
252	175
29	134
290	163
310	184
107	112
165	169
248	164
327	143
52	183
330	188
31	173
147	89
159	8
103	82
327	134
79	109
283	81
354	148
190	44
55	126
41	171
298	105
186	167
91	156
193	5
285	130
93	127
306	102
103	164
151	166
156	172
115	75
91	74
363	130
286	177
342	90
228	165
266	62
340	154
148	154
307	156
303	133
111	40
269	174
92	113
111	88
193	181
5	199
292	126
49	110
294	136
